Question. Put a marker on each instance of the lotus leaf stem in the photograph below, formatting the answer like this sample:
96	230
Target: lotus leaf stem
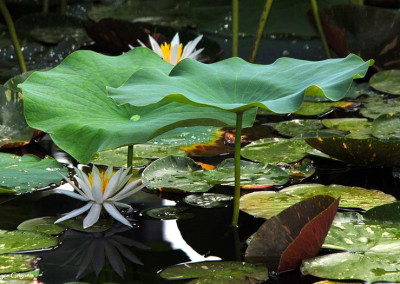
238	140
320	29
129	157
235	28
13	35
260	30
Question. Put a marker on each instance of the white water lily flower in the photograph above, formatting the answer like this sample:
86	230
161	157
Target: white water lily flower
101	189
174	52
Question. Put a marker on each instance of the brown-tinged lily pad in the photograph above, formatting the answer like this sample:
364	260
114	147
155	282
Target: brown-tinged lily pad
296	233
267	204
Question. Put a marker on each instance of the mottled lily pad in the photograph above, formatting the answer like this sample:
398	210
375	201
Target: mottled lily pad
267	204
387	127
297	127
358	127
12	263
17	241
22	174
386	81
117	158
370	267
378	105
208	200
276	150
219	271
168	213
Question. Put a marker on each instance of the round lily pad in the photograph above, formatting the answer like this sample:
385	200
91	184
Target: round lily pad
276	150
358	127
22	174
370	267
297	127
168	213
387	127
217	270
12	263
154	151
208	200
43	225
17	241
378	105
117	158
386	81
268	203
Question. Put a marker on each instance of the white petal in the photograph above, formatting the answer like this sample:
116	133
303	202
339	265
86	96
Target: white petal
175	40
190	46
173	57
97	194
93	216
112	186
141	43
85	188
73	194
155	46
127	191
122	205
75	213
115	213
73	185
83	177
195	54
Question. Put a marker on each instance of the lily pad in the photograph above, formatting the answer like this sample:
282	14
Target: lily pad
208	200
314	108
23	174
70	102
387	127
218	271
296	233
377	105
267	204
18	241
117	158
297	127
358	127
386	81
168	213
370	267
236	85
276	150
13	263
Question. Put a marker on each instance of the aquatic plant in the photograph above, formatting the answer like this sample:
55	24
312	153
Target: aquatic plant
103	189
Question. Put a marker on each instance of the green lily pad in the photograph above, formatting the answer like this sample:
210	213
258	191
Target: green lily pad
208	200
219	271
370	267
176	173
23	174
377	105
10	263
154	151
17	241
276	150
236	85
314	108
359	127
386	81
117	158
168	213
297	127
267	204
70	102
386	127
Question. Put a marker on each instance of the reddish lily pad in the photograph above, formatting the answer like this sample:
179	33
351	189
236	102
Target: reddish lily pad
296	233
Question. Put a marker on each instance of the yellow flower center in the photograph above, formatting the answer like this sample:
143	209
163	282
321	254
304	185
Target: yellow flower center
166	49
104	180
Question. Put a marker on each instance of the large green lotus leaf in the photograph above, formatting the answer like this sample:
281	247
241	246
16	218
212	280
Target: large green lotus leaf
220	271
176	173
17	241
314	108
269	203
386	81
362	151
386	127
236	85
22	174
70	103
370	267
18	265
13	127
276	150
377	105
297	127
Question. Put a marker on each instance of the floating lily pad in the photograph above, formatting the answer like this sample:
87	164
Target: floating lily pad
300	171
176	173
17	241
218	271
377	105
297	127
386	81
208	200
387	127
117	158
168	213
151	151
22	174
267	204
16	263
276	150
358	127
370	267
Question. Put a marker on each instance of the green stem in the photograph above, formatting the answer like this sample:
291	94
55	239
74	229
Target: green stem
261	26
238	140
320	29
235	28
129	157
13	35
46	6
63	6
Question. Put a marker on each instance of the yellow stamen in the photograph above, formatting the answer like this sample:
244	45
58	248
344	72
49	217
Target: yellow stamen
104	180
166	51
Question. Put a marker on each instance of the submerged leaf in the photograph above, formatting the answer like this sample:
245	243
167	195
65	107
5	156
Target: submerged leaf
208	200
168	213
